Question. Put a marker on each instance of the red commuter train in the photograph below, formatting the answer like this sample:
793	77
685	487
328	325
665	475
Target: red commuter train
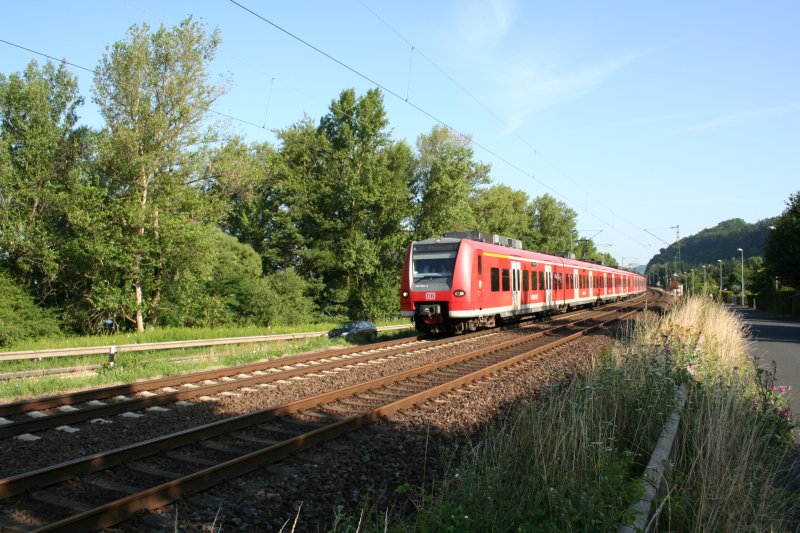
469	280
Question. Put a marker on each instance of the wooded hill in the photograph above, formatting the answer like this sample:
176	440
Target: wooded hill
719	242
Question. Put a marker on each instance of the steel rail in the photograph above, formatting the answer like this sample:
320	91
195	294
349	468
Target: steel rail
116	511
56	400
52	401
137	404
92	463
49	402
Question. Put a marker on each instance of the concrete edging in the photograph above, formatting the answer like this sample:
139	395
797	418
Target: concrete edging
658	467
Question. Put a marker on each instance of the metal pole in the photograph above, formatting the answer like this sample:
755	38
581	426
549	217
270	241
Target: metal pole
742	252
720	278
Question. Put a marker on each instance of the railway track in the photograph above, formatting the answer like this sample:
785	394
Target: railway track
25	418
155	472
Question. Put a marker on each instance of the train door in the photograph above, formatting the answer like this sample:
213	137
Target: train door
575	284
548	286
516	277
591	284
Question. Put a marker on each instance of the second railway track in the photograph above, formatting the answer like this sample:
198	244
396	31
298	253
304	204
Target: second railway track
192	460
59	411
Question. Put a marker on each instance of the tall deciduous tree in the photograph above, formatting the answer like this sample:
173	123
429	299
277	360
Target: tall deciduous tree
502	210
782	252
38	159
445	177
154	91
553	224
346	186
256	200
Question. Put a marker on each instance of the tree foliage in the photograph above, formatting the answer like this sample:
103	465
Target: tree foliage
150	221
553	225
40	150
444	178
346	192
20	317
719	242
500	209
154	91
782	251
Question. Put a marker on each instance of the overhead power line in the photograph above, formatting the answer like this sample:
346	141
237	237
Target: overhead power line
94	71
423	111
486	108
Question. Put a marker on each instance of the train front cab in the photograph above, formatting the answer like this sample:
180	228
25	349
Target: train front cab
427	283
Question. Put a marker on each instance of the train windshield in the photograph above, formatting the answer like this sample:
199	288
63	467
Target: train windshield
433	266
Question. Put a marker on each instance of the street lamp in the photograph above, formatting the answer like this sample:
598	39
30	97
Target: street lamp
720	278
742	252
705	281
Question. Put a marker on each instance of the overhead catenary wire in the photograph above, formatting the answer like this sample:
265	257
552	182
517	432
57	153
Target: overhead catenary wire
490	112
532	175
94	71
426	112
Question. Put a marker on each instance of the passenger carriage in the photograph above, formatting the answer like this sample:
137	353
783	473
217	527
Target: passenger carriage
464	281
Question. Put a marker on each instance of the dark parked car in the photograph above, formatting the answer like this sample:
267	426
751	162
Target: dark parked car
357	330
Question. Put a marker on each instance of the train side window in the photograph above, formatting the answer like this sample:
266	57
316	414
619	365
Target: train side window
506	280
525	283
480	265
534	278
541	281
495	279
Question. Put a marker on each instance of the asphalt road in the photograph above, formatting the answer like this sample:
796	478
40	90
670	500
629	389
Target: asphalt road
776	338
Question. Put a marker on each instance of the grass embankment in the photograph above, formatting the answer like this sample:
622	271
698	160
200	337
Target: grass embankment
573	460
134	366
171	334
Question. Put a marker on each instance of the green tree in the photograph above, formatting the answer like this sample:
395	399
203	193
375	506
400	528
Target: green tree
39	156
215	291
256	199
445	176
500	209
553	225
782	251
154	91
346	187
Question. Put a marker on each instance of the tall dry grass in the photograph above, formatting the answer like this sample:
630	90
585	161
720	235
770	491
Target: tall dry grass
730	471
572	460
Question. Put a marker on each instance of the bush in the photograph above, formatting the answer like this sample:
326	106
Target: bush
280	299
20	317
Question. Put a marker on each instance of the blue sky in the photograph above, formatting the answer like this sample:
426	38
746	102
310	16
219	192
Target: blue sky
636	114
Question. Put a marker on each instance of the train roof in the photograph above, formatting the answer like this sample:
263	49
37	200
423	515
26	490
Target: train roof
526	255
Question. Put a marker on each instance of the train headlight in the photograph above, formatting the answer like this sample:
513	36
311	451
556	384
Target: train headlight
459	293
404	294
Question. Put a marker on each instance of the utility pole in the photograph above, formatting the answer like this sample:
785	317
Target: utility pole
677	229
